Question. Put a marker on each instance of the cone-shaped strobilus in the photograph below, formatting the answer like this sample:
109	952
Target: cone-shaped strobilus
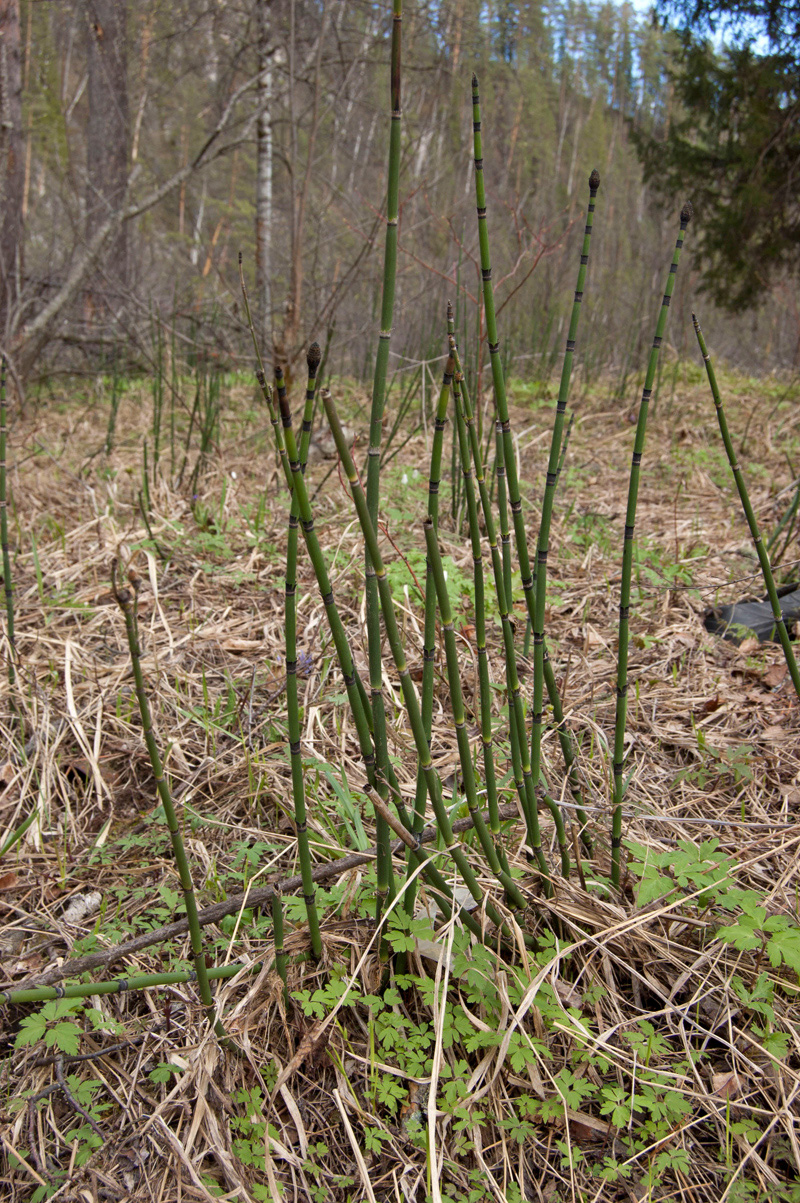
627	555
544	525
744	497
501	402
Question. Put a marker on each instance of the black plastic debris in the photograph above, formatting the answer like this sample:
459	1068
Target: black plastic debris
751	618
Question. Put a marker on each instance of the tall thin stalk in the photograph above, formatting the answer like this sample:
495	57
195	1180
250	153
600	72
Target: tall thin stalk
501	402
547	514
128	603
627	556
8	582
409	695
755	534
429	632
292	704
384	868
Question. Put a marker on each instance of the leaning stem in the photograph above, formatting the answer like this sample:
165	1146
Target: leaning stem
627	557
128	601
744	497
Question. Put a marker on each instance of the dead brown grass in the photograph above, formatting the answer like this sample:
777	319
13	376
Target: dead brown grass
212	626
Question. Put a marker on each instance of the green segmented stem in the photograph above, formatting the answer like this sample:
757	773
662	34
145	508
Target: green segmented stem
429	633
546	518
128	603
627	555
120	985
385	880
8	582
517	735
501	402
409	695
459	718
755	534
292	703
484	686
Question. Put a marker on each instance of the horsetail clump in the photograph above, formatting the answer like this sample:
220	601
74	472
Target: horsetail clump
752	522
127	601
627	556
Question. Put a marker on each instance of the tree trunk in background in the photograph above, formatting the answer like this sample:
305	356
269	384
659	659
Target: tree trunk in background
264	179
107	142
12	166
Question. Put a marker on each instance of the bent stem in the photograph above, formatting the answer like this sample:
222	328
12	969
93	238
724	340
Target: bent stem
627	557
128	603
744	497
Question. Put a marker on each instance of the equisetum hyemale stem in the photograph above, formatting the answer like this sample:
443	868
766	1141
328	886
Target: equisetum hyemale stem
744	497
384	865
627	556
292	703
546	518
501	403
432	782
127	600
8	583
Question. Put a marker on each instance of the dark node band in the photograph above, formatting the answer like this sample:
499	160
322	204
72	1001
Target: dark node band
433	487
294	748
385	334
628	532
291	667
294	522
551	479
327	599
578	297
646	394
486	274
584	260
447	378
657	341
476	125
505	425
616	841
527	583
624	612
440	423
636	458
308	898
571	341
666	301
481	211
673	267
561	407
622	690
349	681
479	164
516	507
618	768
369	759
538	638
537	719
290	589
308	526
541	557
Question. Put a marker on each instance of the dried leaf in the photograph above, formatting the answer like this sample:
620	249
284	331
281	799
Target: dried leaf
775	734
774	675
748	646
727	1085
8	881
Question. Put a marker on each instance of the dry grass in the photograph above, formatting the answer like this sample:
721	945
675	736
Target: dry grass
713	738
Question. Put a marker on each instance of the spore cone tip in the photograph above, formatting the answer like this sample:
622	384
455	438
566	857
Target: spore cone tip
686	213
313	358
594	180
474	80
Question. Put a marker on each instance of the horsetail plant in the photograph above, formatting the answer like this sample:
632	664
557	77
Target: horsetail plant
432	782
744	497
127	601
546	517
501	402
627	556
384	867
293	709
8	582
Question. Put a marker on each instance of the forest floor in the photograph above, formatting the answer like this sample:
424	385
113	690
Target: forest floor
646	1048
